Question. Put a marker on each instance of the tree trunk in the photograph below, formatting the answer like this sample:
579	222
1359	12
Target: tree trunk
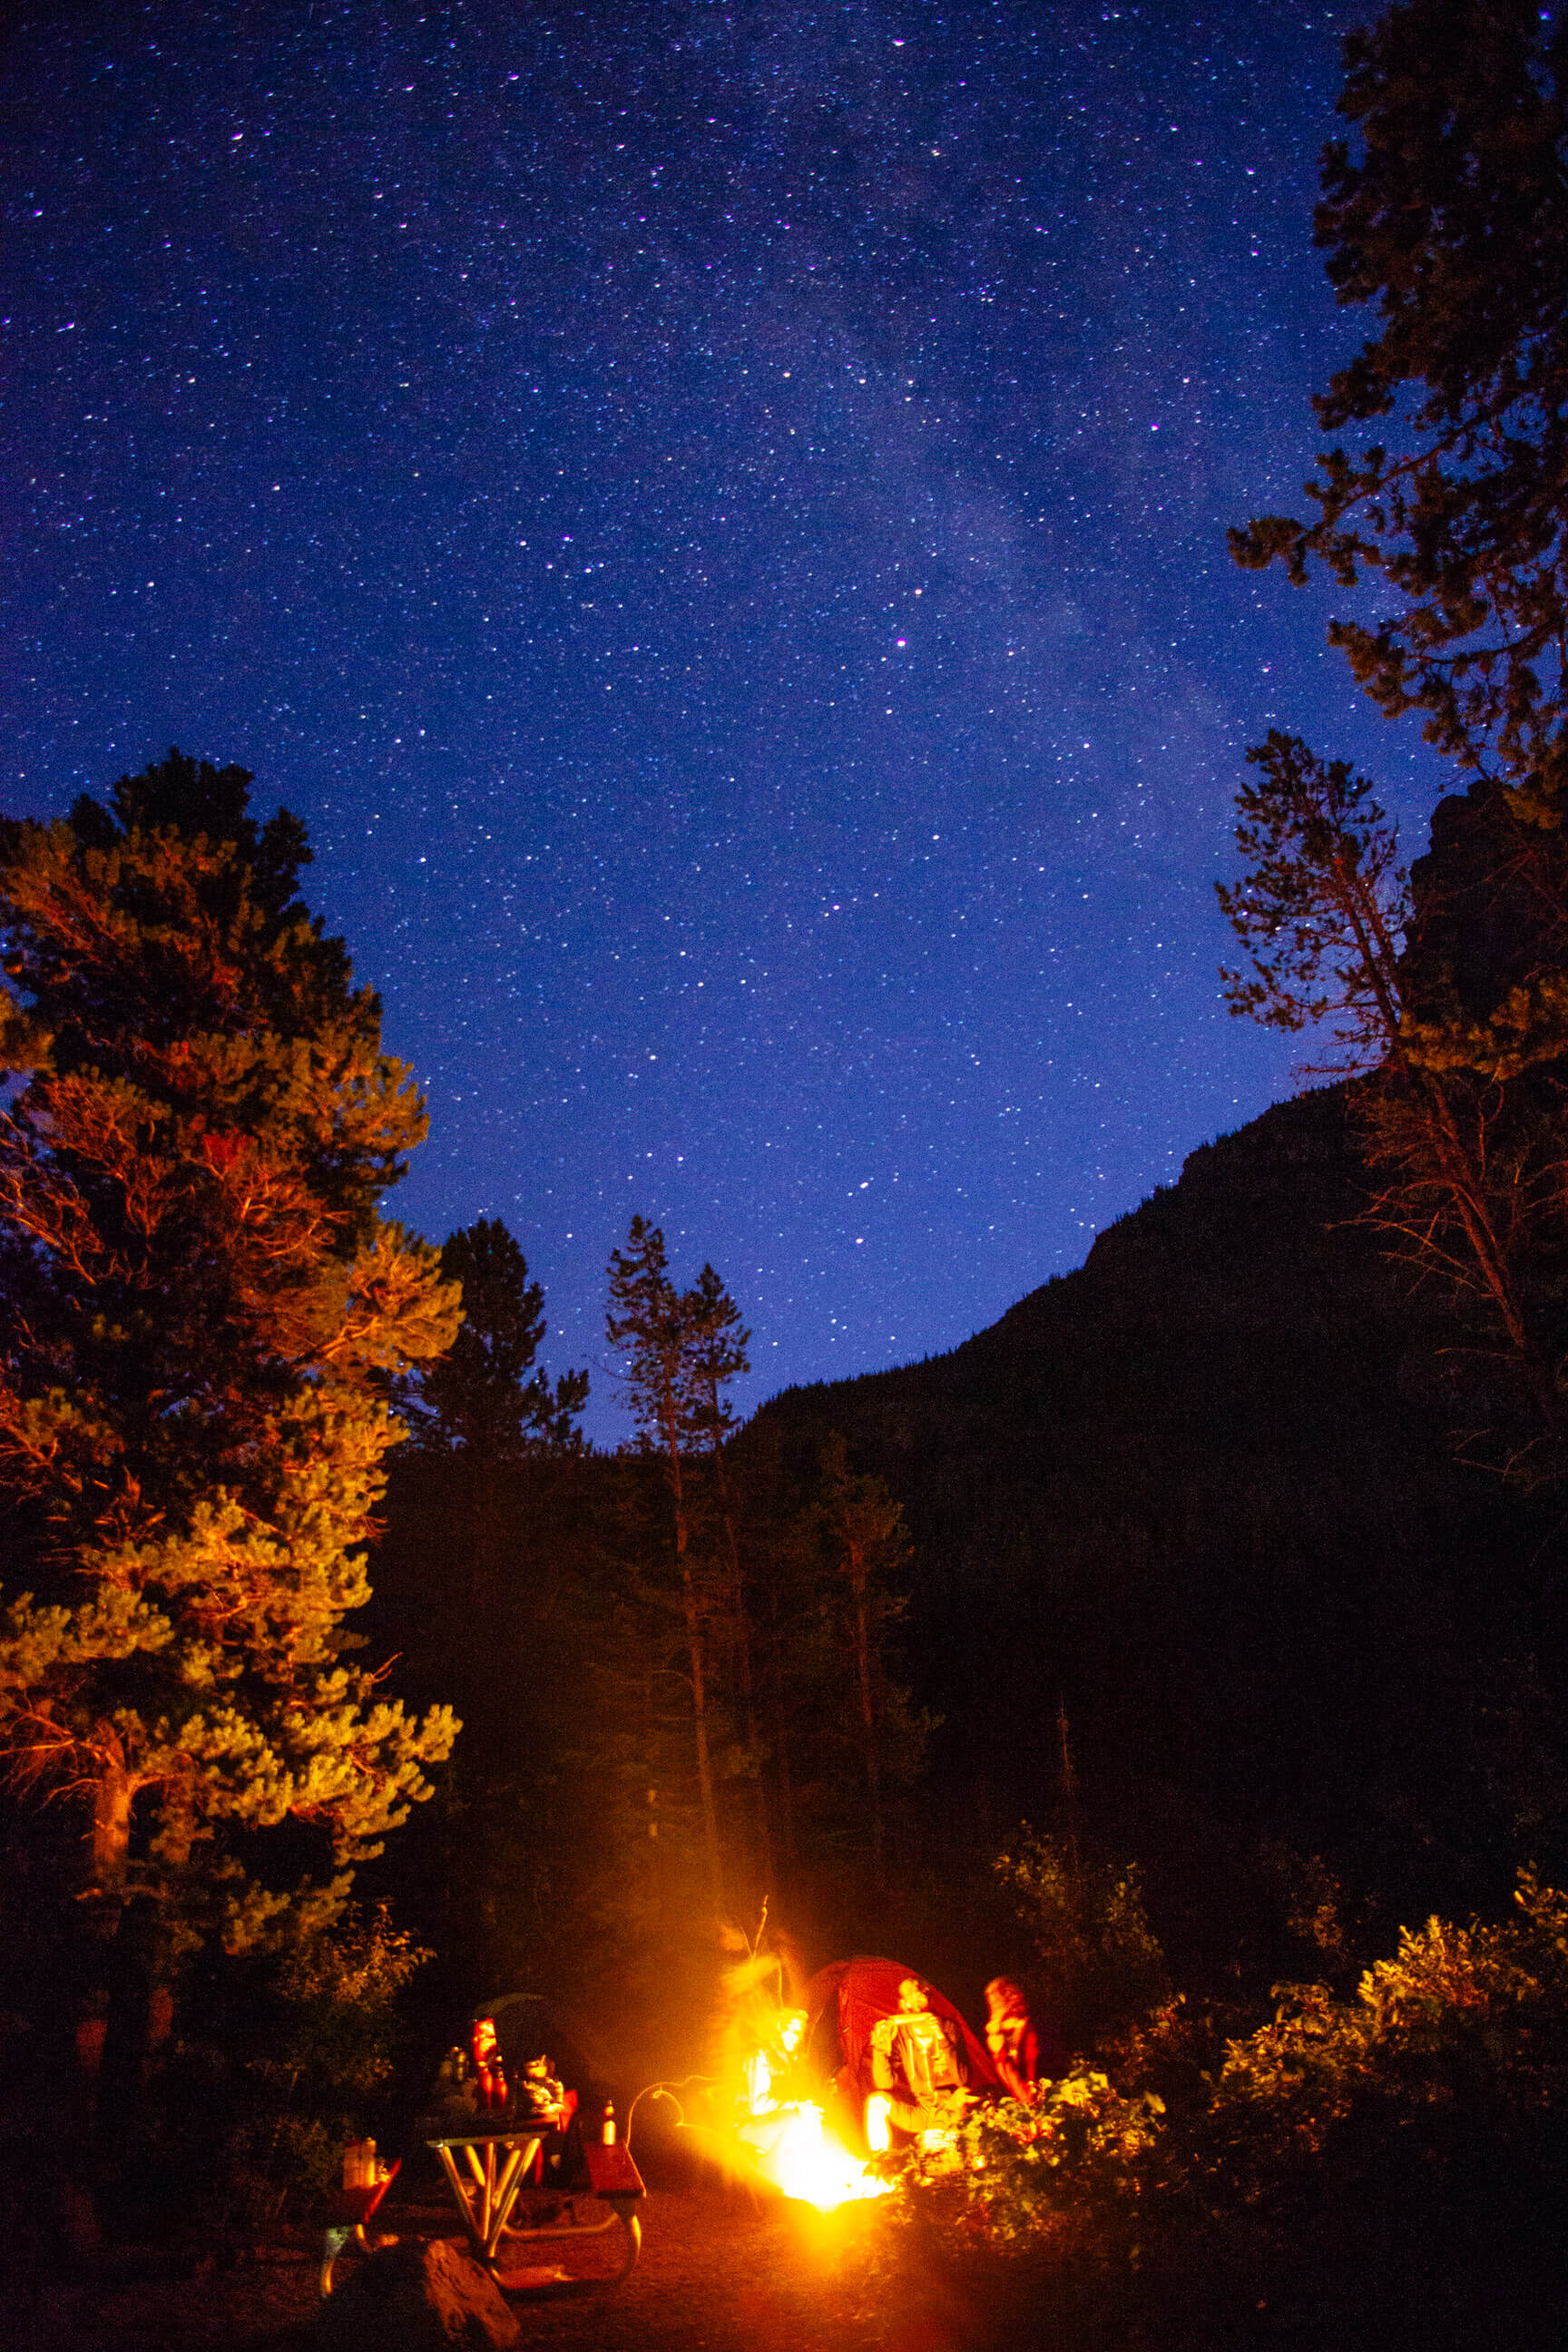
740	1623
779	1714
697	1652
99	1914
178	1829
696	1648
655	1863
867	1721
1449	1157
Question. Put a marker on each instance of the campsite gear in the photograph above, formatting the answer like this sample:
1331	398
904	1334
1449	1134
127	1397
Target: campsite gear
495	2165
354	2203
844	2003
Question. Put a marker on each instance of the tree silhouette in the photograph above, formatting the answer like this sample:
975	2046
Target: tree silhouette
478	1397
1323	910
650	1324
1451	216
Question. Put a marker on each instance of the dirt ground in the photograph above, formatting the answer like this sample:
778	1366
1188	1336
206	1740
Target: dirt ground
721	2271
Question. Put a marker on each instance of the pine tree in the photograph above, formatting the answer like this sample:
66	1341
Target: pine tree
483	1588
718	1343
864	1528
478	1398
1448	210
1451	216
1324	912
201	1318
677	1350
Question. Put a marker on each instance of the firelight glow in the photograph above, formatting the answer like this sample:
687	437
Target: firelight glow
808	2164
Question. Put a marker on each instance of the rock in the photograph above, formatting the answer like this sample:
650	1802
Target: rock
417	2296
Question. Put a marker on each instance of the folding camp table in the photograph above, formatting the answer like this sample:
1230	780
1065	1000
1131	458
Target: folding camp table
495	2165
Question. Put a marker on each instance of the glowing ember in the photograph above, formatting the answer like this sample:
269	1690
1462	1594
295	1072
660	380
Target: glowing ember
803	2160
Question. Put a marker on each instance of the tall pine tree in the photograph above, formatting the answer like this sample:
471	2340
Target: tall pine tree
483	1589
201	1318
1448	211
679	1350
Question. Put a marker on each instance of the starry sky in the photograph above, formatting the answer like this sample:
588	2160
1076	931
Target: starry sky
714	516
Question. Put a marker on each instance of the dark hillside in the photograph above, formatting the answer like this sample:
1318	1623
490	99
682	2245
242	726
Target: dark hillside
1195	1491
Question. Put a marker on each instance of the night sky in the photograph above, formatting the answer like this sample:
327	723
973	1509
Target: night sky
714	516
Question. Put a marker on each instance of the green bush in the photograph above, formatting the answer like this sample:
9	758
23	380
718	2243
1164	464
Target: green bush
1014	2170
1460	2016
1098	1962
1377	2166
316	2072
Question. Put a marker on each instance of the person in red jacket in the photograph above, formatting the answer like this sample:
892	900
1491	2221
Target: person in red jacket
1010	2037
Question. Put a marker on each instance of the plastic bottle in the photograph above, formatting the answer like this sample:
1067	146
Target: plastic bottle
608	2129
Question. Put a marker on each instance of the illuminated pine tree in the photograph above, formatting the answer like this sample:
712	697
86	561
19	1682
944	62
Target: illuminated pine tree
201	1318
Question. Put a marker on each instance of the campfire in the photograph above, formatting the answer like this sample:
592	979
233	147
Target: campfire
775	2112
833	2096
787	2138
809	2164
827	2100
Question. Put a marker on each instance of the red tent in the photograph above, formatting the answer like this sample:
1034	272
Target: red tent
845	2000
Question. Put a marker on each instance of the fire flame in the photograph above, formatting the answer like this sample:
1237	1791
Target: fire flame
768	2125
807	2163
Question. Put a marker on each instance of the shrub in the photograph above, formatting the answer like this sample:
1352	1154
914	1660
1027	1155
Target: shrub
1460	2016
1015	2170
1099	1964
1382	2167
320	2064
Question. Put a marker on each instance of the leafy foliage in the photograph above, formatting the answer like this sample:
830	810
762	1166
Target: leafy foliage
1481	2010
1015	2172
1099	1964
1433	2100
317	2041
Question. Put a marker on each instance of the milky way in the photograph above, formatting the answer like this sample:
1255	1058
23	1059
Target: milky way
714	516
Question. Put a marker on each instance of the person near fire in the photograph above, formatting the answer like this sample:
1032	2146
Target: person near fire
1010	2037
775	2072
543	2098
917	2066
